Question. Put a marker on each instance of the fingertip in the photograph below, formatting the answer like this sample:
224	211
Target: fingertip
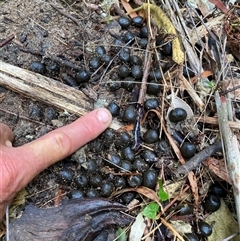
104	116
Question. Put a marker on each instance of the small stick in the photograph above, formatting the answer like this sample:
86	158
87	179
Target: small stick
7	40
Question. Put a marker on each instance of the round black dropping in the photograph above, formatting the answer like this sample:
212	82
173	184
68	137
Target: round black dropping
136	71
126	166
211	203
123	71
151	136
167	49
91	166
151	104
114	85
81	181
137	21
82	76
106	58
135	180
140	165
144	31
128	153
150	178
109	136
114	109
129	37
95	181
205	229
92	193
136	60
37	67
123	140
120	182
106	189
100	51
128	197
115	159
96	145
65	176
143	42
77	194
117	45
186	210
124	55
218	190
188	149
187	72
52	68
124	22
159	56
153	87
177	115
95	62
34	111
155	74
129	114
128	83
149	156
49	114
190	237
69	80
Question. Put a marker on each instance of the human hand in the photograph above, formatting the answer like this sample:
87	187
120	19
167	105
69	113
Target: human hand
19	165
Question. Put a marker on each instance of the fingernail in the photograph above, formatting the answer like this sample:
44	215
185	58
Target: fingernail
103	116
8	143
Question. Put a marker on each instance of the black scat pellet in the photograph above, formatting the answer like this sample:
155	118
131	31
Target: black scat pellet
52	68
128	153
149	156
95	62
205	230
128	197
124	22
190	237
136	71
100	51
115	159
211	203
91	166
135	59
167	49
138	21
218	190
143	42
92	193
49	114
106	189
187	72
128	83
81	181
117	45
144	31
123	71
140	165
155	74
186	209
123	140
96	145
106	58
177	115
126	166
77	194
34	111
69	80
65	176
153	87
37	67
120	182
124	55
135	180
188	149
114	109
129	37
151	136
95	180
159	56
162	146
150	178
114	85
150	104
108	136
130	114
82	76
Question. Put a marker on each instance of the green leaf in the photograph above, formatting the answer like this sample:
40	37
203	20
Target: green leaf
121	235
151	210
161	193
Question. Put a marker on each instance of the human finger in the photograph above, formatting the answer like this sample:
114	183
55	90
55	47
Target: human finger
6	135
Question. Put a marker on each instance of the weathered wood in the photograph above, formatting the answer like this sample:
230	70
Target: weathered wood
47	90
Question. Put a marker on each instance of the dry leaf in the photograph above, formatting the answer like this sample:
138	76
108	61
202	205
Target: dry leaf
137	228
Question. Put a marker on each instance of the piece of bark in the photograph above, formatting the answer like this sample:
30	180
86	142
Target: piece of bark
47	90
75	220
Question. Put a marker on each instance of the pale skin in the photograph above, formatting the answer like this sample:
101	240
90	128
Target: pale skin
19	165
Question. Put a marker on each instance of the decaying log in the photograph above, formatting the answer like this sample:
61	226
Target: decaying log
47	90
75	220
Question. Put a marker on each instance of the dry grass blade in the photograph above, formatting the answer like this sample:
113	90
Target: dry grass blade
231	149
